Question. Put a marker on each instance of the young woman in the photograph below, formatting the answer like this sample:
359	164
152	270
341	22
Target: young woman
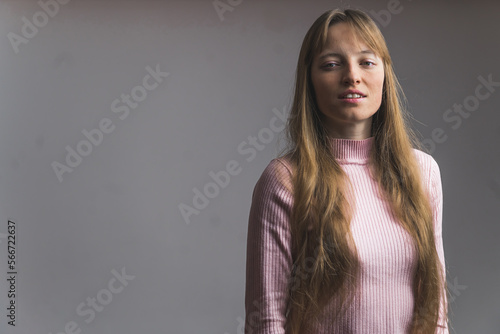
344	232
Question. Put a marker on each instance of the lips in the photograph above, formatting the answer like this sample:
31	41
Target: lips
351	94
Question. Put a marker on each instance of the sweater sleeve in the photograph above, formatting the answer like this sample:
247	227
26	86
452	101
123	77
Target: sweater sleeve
269	259
437	208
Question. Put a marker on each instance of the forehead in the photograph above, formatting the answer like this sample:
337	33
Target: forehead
342	37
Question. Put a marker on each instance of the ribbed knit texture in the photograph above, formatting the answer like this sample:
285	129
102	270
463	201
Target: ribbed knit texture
388	260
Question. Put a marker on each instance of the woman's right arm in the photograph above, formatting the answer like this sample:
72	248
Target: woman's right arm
269	259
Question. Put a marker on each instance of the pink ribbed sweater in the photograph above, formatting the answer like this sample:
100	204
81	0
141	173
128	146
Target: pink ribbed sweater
385	304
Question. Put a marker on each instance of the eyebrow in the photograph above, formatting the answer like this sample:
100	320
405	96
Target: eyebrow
334	54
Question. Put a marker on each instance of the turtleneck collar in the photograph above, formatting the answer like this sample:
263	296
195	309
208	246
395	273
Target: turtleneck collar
352	151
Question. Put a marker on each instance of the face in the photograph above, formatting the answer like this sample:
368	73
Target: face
347	66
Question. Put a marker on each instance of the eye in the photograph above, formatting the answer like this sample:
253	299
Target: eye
330	65
369	63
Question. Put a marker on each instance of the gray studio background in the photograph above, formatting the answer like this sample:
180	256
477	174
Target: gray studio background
230	76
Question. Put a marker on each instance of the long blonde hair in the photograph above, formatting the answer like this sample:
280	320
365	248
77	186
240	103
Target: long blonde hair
321	191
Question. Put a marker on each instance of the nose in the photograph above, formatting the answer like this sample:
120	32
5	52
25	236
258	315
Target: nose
352	75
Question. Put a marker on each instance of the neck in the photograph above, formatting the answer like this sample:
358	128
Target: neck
352	151
357	130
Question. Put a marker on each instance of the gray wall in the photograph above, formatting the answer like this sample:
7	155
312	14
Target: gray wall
229	77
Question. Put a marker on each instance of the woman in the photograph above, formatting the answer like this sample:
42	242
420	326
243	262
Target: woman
344	232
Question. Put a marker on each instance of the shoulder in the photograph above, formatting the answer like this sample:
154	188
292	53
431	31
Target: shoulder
429	167
277	174
273	192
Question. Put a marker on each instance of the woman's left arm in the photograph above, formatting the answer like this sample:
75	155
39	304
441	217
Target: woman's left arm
437	209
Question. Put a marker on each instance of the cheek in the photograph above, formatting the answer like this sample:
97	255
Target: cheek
379	88
378	99
323	86
379	92
320	90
